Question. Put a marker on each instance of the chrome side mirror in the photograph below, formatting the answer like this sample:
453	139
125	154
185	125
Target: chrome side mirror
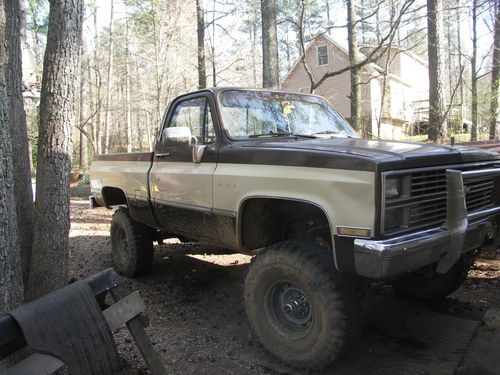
177	136
198	151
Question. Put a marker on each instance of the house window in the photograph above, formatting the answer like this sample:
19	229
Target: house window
322	55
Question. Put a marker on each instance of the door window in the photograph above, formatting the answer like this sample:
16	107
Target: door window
191	123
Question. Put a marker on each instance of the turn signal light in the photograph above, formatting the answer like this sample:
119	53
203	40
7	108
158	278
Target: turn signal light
353	232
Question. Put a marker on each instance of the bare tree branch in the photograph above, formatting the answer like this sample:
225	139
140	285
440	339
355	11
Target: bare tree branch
371	57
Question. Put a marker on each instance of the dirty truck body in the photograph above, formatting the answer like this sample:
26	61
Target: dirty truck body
250	170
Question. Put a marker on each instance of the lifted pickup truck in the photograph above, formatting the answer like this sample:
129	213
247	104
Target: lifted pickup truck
283	176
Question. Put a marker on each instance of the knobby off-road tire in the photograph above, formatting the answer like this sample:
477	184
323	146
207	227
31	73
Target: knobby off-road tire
299	307
131	244
432	286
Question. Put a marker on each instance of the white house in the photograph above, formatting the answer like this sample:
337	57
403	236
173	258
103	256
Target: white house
406	85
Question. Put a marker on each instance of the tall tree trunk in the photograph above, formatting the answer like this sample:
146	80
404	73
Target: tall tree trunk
460	67
270	68
93	109
19	135
328	18
449	59
214	70
200	18
98	84
254	58
494	75
109	117
473	133
352	39
49	265
84	157
437	120
11	279
127	89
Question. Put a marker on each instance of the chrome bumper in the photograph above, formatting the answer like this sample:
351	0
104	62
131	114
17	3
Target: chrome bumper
462	232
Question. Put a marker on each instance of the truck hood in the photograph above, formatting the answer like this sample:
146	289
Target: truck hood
365	154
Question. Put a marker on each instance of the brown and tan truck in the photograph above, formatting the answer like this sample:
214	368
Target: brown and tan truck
284	177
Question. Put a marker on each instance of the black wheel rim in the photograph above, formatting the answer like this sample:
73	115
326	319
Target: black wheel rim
289	310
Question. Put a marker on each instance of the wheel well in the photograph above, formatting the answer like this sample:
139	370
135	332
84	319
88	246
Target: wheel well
264	221
113	196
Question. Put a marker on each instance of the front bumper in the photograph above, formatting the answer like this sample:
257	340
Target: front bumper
461	233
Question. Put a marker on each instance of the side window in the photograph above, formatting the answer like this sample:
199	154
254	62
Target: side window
322	55
191	124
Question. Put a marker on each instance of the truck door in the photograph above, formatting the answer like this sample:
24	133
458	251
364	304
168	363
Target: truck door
182	172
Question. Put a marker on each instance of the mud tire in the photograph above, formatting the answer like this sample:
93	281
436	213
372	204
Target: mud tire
313	340
131	245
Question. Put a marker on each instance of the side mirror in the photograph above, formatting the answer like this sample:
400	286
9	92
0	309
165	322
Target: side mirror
176	136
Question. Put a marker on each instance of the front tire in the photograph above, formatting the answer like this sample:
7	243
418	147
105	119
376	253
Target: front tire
131	245
299	308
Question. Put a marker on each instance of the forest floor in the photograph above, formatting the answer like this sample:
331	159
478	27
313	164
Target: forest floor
197	318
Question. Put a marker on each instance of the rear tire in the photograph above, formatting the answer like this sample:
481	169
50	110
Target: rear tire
432	286
131	244
299	307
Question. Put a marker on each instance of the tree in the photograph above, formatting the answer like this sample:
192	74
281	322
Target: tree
270	68
109	120
11	283
352	39
200	18
495	73
19	135
251	25
84	157
49	265
474	73
397	16
437	117
127	88
37	27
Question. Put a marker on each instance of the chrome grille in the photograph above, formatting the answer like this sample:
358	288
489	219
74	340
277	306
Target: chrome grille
479	194
428	190
422	202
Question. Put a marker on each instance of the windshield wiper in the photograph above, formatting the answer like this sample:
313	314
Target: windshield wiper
326	132
309	136
291	135
268	135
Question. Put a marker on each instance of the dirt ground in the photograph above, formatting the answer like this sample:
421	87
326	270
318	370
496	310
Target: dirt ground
195	306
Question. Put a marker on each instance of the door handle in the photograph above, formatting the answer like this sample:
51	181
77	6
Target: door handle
162	155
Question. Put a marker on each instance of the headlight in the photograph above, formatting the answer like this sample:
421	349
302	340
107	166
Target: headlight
392	187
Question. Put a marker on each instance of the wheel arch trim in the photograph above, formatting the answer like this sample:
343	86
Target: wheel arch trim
239	219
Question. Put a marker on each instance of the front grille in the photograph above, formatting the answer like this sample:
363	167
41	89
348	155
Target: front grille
422	202
479	194
428	193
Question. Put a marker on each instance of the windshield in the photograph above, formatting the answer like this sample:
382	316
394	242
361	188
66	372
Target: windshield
252	114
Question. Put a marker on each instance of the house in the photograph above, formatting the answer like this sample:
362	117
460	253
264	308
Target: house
392	104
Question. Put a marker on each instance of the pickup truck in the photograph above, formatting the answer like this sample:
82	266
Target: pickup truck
284	177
